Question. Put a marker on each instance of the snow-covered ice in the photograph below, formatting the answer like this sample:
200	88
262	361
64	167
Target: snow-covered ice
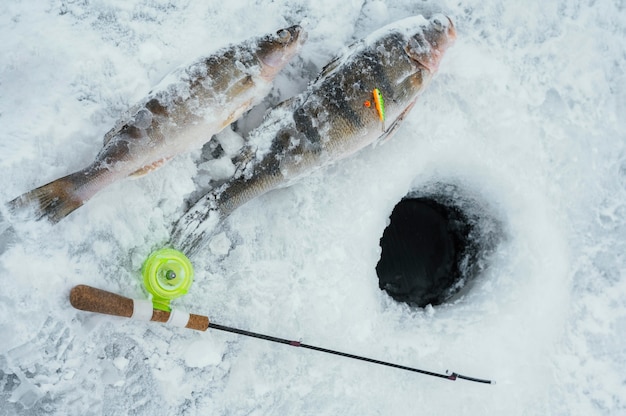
525	116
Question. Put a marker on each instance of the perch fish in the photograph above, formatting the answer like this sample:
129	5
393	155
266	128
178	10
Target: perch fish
359	98
183	112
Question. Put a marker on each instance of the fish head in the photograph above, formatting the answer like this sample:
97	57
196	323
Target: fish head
274	51
427	46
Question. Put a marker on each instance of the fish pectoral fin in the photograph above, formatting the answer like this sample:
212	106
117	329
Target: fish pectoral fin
148	168
396	123
232	117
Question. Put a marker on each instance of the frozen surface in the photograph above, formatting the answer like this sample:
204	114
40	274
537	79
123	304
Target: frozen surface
526	116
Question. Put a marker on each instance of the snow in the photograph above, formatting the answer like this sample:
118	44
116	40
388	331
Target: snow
525	116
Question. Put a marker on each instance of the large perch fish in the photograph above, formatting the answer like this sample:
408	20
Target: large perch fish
184	111
358	98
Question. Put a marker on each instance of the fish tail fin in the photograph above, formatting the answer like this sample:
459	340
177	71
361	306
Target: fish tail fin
53	201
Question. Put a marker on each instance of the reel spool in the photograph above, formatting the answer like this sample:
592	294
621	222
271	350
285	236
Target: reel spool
167	274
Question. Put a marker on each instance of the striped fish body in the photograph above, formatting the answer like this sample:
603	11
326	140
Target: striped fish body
334	118
187	108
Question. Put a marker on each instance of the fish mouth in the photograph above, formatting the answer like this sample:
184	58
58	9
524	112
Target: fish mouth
276	50
280	47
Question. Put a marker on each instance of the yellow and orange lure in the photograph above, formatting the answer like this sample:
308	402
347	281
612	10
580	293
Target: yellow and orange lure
379	104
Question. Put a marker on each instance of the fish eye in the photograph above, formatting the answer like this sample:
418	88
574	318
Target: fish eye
283	35
437	24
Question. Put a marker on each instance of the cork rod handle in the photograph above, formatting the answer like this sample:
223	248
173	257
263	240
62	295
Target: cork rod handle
90	299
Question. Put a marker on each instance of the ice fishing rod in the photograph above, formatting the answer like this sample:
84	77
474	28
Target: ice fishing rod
167	275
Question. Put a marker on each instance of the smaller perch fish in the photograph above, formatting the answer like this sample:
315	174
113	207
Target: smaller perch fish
332	119
187	108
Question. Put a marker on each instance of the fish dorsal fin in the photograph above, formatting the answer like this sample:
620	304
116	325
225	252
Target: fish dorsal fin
287	104
123	121
330	67
148	168
110	134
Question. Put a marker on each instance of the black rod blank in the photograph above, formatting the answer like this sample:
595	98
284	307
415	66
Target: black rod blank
452	376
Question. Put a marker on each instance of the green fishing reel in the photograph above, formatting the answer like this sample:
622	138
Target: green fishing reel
167	274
